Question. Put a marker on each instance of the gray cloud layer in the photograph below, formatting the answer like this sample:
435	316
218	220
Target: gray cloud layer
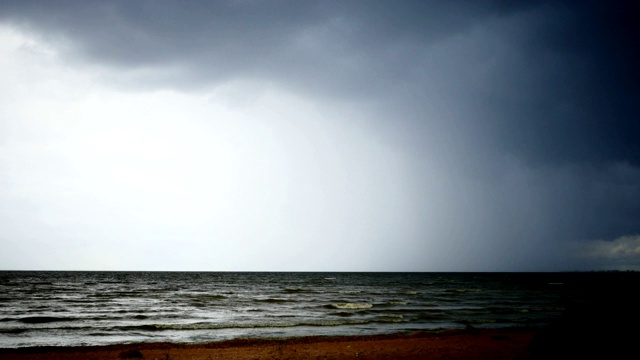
521	118
548	81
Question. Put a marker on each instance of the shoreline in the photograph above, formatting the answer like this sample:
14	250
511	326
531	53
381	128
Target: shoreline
468	343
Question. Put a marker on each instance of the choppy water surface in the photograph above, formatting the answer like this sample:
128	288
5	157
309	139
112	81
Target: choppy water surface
90	308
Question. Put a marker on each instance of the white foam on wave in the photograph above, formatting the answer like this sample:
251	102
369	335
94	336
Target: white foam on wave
67	283
391	318
220	326
352	306
398	302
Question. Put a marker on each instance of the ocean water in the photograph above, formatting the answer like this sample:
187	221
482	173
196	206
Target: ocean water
98	308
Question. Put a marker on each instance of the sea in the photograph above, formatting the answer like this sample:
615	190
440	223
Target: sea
78	308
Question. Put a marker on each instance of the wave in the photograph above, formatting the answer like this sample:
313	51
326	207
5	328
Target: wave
44	319
205	296
430	316
396	302
210	326
462	290
88	302
67	283
95	317
273	300
199	304
299	291
505	310
350	291
214	326
343	313
391	318
349	306
484	321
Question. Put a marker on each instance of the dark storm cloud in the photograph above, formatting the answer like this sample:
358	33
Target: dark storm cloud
323	46
582	100
528	109
557	83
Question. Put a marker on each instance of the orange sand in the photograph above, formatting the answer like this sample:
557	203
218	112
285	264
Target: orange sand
456	344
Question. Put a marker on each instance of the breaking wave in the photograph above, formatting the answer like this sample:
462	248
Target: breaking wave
213	326
349	306
396	302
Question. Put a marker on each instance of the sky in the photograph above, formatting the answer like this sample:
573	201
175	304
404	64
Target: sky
319	135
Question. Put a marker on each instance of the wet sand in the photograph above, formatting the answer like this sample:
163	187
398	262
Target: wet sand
453	344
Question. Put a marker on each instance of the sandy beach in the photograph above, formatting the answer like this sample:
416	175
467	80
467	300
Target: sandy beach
454	344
